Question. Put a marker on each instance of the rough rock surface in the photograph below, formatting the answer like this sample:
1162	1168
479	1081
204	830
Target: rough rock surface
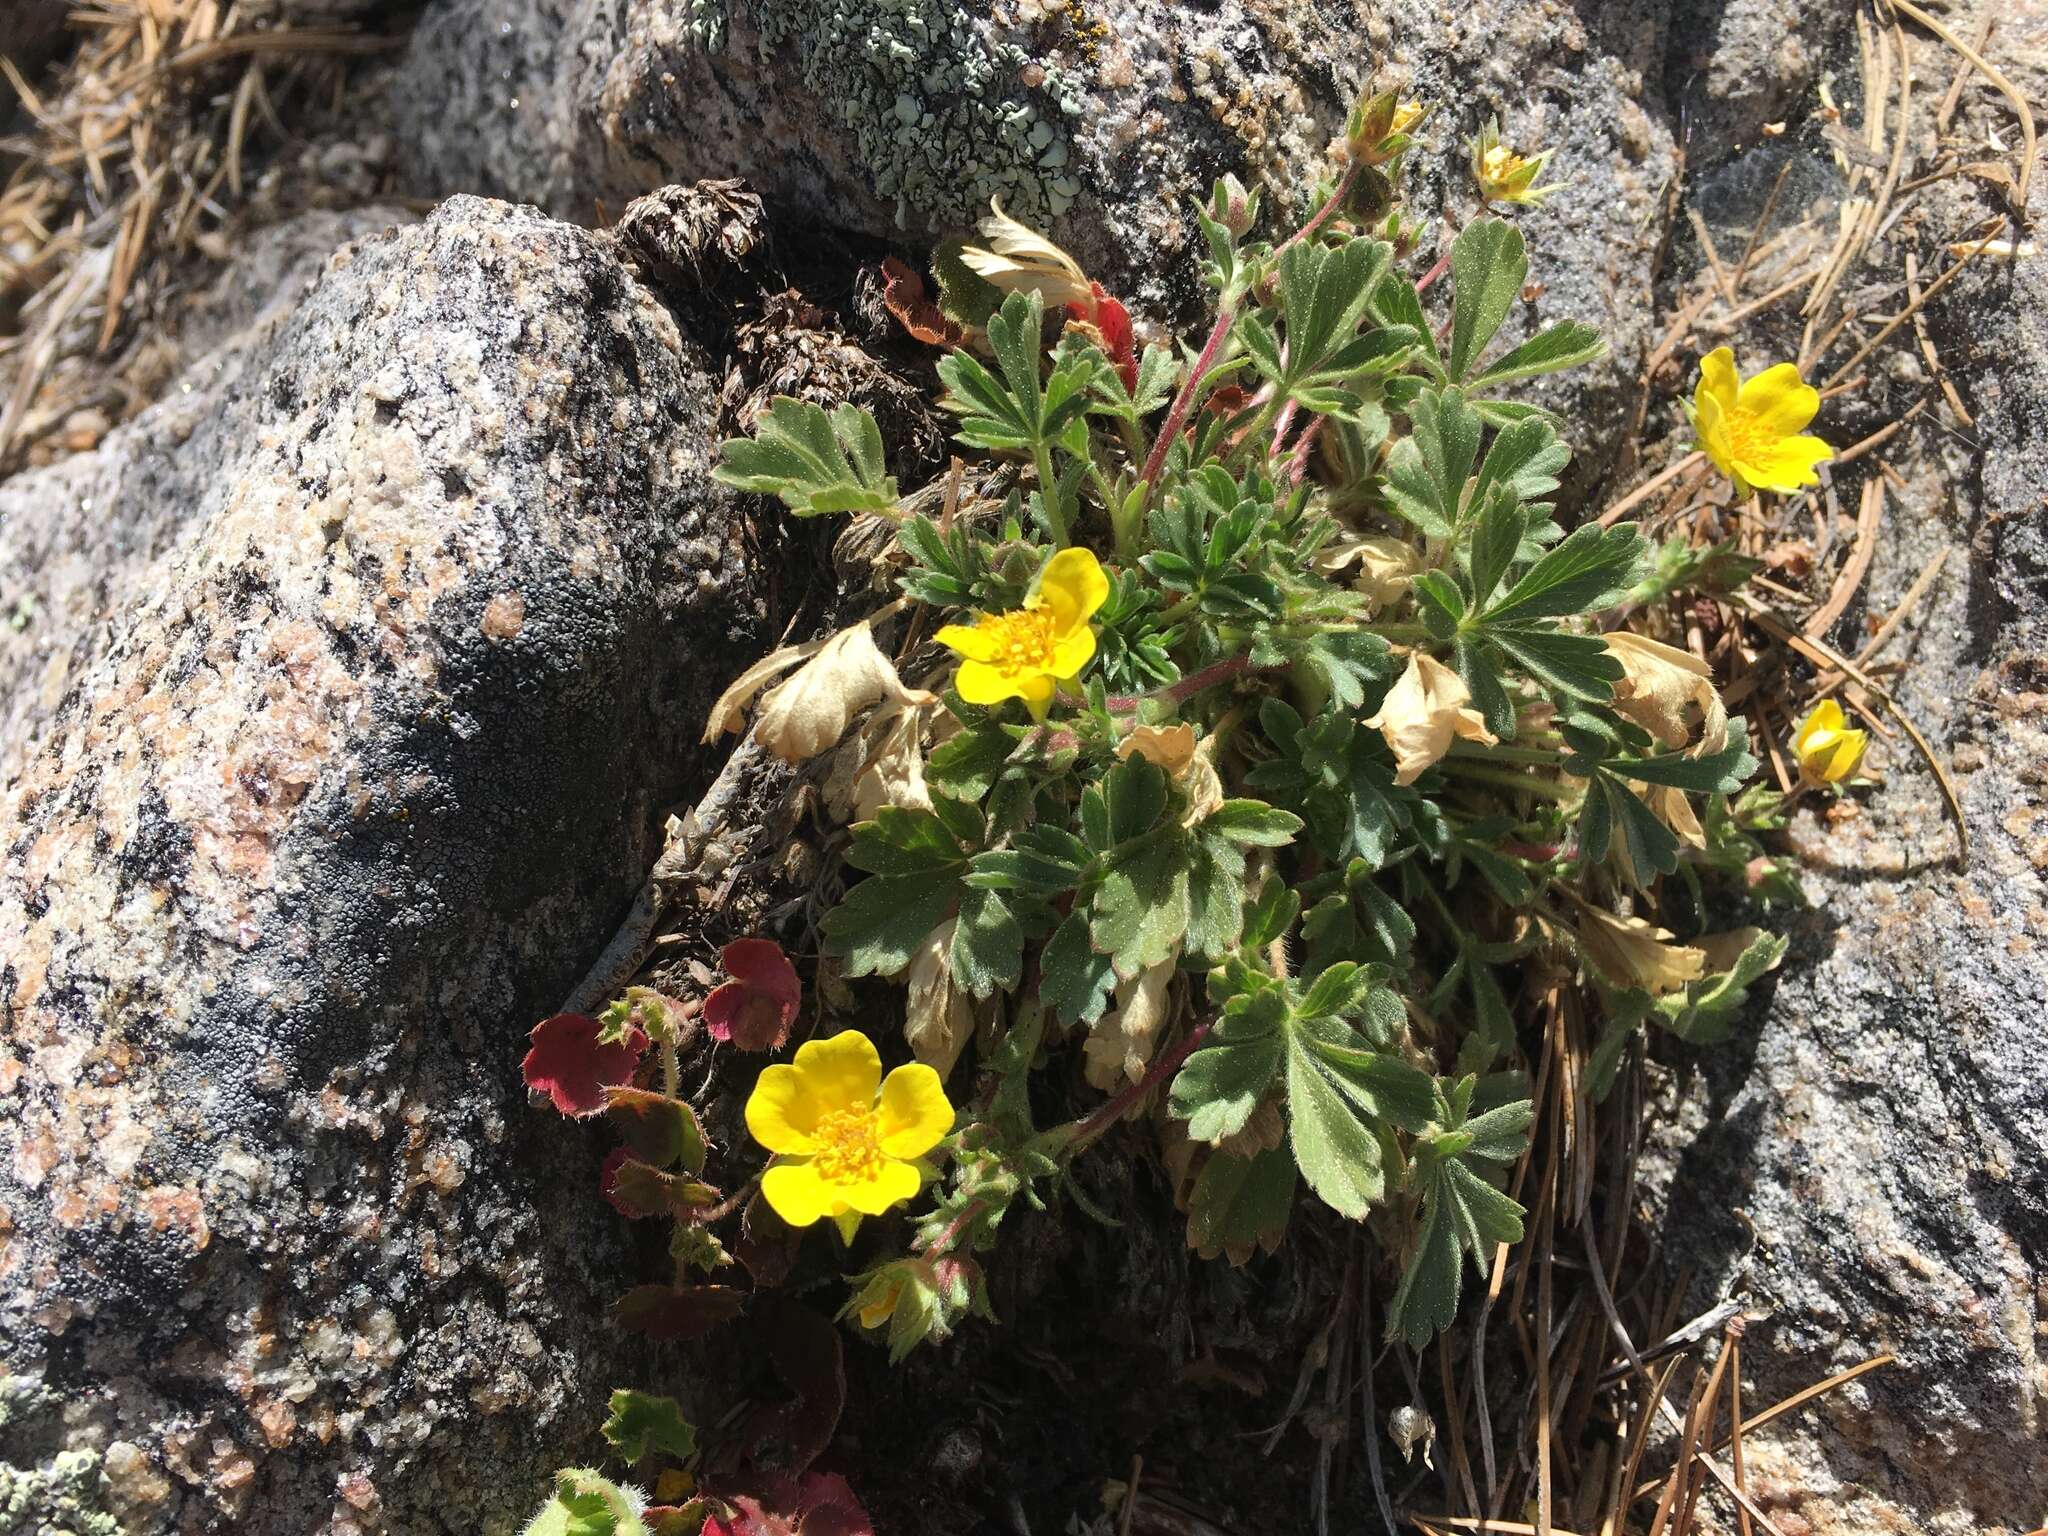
1882	1127
902	120
362	761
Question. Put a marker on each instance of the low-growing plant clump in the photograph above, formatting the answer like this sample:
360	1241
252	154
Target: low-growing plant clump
1273	740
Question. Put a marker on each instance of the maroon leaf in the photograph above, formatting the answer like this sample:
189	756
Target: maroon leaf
678	1312
571	1068
776	1504
767	1244
808	1354
640	1190
659	1129
755	1009
904	296
1108	324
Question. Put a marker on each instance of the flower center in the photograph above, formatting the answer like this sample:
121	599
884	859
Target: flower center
849	1153
1024	640
1499	163
1748	440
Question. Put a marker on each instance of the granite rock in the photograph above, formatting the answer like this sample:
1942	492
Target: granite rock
357	756
902	120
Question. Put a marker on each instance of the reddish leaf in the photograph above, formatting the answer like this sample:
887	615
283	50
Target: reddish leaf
639	1190
612	1162
755	1009
678	1312
776	1504
904	296
659	1129
1226	400
808	1353
1107	323
571	1068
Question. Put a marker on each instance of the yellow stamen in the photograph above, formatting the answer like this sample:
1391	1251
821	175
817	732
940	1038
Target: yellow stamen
850	1152
1024	639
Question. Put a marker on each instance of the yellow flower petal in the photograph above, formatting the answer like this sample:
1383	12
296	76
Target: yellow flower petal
970	640
1788	465
1073	651
1073	584
796	1193
914	1111
980	683
1717	380
1847	756
1778	400
840	1073
782	1112
1036	690
892	1184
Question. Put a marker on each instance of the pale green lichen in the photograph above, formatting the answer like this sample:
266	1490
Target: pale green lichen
57	1497
938	107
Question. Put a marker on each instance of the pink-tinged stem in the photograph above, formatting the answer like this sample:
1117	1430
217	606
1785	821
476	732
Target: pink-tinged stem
1188	687
1297	466
1443	263
1161	1069
1184	402
943	1244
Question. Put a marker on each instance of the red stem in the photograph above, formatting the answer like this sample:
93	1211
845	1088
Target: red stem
1434	272
1184	402
1188	687
1162	1068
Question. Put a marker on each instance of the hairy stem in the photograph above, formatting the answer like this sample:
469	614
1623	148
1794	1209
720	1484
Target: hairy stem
1162	1067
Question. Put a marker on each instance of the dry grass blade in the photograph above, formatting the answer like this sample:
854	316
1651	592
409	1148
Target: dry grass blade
1998	81
1830	684
1850	578
1473	1523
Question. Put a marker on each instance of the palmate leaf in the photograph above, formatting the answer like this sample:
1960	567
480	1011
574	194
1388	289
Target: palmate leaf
1461	1211
915	865
813	462
641	1423
1427	470
1592	568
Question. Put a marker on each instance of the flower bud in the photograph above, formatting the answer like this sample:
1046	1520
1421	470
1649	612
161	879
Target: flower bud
1233	207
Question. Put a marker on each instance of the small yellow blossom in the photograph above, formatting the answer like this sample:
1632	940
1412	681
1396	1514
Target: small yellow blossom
1750	428
1829	751
1379	125
877	1302
1025	653
846	1140
1503	175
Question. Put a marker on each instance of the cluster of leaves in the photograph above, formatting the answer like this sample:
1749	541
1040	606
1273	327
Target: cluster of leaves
1367	737
1390	797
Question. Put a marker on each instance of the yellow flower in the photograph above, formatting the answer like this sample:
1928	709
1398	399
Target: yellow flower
1750	429
1025	653
1828	750
1407	114
1503	175
846	1140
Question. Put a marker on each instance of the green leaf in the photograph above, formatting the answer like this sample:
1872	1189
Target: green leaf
1496	535
1253	823
1240	1204
1578	666
1705	1009
1215	896
813	462
883	920
1527	458
1427	1299
1564	345
1074	978
1488	268
1338	1154
1589	569
901	841
642	1423
1427	470
1141	907
967	766
586	1503
1383	1085
1724	771
1219	1086
988	945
